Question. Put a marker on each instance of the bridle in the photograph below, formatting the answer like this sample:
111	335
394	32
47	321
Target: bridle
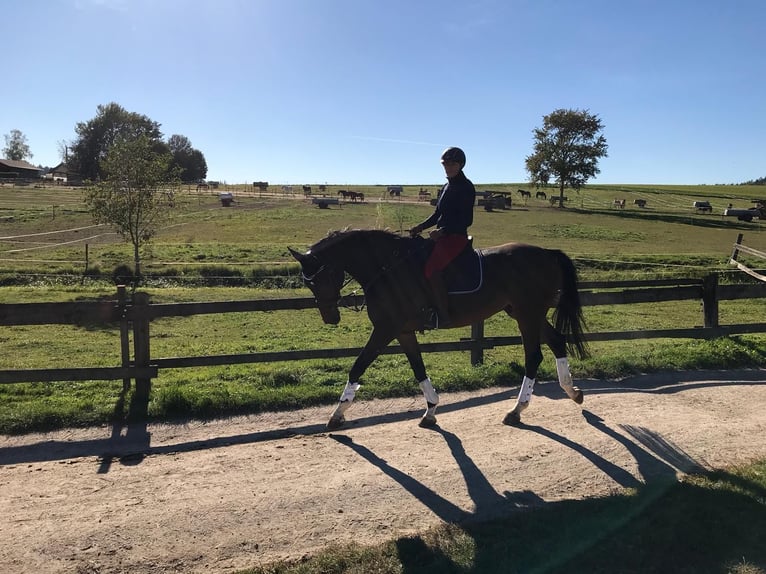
310	280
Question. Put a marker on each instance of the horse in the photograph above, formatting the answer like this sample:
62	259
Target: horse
354	195
524	281
541	195
524	193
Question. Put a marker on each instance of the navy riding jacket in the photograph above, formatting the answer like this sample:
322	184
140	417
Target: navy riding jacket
454	208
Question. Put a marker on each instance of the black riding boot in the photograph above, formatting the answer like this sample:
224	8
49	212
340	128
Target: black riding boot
440	300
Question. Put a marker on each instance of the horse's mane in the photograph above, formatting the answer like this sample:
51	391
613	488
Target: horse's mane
337	237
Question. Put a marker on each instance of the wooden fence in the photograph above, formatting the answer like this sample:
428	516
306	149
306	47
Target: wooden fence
137	314
738	247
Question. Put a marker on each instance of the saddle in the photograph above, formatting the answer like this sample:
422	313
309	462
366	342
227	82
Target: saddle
464	274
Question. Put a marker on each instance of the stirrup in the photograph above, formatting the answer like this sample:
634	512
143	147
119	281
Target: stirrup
432	320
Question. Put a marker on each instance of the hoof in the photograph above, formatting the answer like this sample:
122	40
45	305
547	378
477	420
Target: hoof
512	419
335	423
578	396
427	422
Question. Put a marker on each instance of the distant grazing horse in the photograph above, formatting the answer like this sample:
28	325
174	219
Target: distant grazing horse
524	193
352	195
619	203
540	195
201	186
306	190
523	280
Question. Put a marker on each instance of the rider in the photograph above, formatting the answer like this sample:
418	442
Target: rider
453	216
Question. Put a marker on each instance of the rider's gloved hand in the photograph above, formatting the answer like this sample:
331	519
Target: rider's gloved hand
415	231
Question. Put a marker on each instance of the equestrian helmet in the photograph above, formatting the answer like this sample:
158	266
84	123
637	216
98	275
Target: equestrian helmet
454	154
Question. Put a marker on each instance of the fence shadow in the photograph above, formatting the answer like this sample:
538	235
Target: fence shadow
130	438
132	446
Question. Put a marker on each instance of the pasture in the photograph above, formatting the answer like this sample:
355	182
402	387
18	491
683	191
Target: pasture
214	253
46	231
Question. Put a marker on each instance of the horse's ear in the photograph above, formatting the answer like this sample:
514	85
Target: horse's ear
298	256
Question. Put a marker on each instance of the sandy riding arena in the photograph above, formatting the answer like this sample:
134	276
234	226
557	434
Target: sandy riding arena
218	496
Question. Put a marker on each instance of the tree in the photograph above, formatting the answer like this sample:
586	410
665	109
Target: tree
16	147
190	161
136	192
567	149
96	137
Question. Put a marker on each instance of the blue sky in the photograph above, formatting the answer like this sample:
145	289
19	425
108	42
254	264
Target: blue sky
363	92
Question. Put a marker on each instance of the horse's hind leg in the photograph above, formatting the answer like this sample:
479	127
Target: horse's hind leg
409	343
557	344
533	356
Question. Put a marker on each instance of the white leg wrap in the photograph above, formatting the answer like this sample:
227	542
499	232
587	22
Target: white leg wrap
429	392
565	377
527	388
346	398
349	392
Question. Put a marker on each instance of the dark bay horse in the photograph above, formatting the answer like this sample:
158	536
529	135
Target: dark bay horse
523	280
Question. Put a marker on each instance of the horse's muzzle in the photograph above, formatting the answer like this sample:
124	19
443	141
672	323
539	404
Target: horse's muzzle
330	315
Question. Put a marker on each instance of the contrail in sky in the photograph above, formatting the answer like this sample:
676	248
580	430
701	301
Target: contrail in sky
392	140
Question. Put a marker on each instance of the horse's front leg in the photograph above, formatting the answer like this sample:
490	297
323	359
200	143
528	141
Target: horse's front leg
411	348
378	340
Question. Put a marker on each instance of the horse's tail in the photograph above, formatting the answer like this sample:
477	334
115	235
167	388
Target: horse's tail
567	316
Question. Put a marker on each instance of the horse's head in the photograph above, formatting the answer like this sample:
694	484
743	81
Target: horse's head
325	282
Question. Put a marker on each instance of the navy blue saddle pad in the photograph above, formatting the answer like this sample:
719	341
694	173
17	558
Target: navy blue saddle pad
464	274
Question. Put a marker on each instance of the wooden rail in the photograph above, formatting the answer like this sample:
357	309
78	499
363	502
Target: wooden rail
137	315
735	254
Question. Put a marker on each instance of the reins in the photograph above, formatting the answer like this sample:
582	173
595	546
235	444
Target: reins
385	269
342	300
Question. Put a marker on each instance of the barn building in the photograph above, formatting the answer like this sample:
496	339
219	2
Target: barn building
12	169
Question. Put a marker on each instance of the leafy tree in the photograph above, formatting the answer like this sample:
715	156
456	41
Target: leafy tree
190	161
136	192
16	147
567	149
96	137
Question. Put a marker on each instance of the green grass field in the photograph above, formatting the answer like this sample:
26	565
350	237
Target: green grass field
243	251
47	230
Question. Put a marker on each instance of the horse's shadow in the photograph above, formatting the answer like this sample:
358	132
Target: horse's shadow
656	457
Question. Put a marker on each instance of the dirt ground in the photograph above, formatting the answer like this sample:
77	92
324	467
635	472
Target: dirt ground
225	495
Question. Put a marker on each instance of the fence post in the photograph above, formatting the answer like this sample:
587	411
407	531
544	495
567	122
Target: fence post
710	300
735	251
141	340
122	300
477	336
